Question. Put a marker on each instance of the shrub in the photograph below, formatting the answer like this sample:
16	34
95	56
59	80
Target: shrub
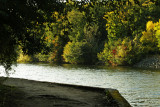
157	32
24	58
77	53
148	39
40	58
122	52
57	50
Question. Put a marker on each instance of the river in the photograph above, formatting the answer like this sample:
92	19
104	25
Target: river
140	87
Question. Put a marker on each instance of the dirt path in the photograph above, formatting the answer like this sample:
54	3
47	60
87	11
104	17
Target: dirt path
43	94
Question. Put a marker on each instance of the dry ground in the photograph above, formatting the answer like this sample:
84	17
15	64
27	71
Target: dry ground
43	94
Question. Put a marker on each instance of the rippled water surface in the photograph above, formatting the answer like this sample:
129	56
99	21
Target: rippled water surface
140	87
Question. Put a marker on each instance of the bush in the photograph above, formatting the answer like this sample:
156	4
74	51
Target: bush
122	52
77	53
32	58
24	58
40	58
55	55
157	32
148	39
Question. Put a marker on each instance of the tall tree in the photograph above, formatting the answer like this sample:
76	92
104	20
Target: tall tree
18	19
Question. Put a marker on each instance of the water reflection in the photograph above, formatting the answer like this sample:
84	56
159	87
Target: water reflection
140	87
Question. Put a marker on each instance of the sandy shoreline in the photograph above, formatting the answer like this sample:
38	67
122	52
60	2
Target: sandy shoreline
45	94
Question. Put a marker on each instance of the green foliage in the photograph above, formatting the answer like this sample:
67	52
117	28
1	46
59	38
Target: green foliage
86	26
24	58
8	47
17	17
123	52
91	32
77	21
76	52
103	56
151	37
57	50
148	39
56	36
129	51
35	39
79	53
114	29
125	25
157	32
125	20
40	58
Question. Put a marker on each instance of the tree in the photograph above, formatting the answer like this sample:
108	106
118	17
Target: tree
127	19
87	28
18	19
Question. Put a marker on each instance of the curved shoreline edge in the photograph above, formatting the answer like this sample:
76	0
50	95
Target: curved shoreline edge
45	93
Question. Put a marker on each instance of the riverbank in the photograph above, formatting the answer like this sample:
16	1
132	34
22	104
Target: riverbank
150	62
44	94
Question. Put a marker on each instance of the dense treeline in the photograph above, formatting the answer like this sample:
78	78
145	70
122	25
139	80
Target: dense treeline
127	43
113	32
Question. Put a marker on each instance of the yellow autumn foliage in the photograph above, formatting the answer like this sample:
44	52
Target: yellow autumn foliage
24	58
157	26
149	25
158	33
149	35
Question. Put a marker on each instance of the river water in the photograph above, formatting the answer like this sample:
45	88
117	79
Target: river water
141	88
